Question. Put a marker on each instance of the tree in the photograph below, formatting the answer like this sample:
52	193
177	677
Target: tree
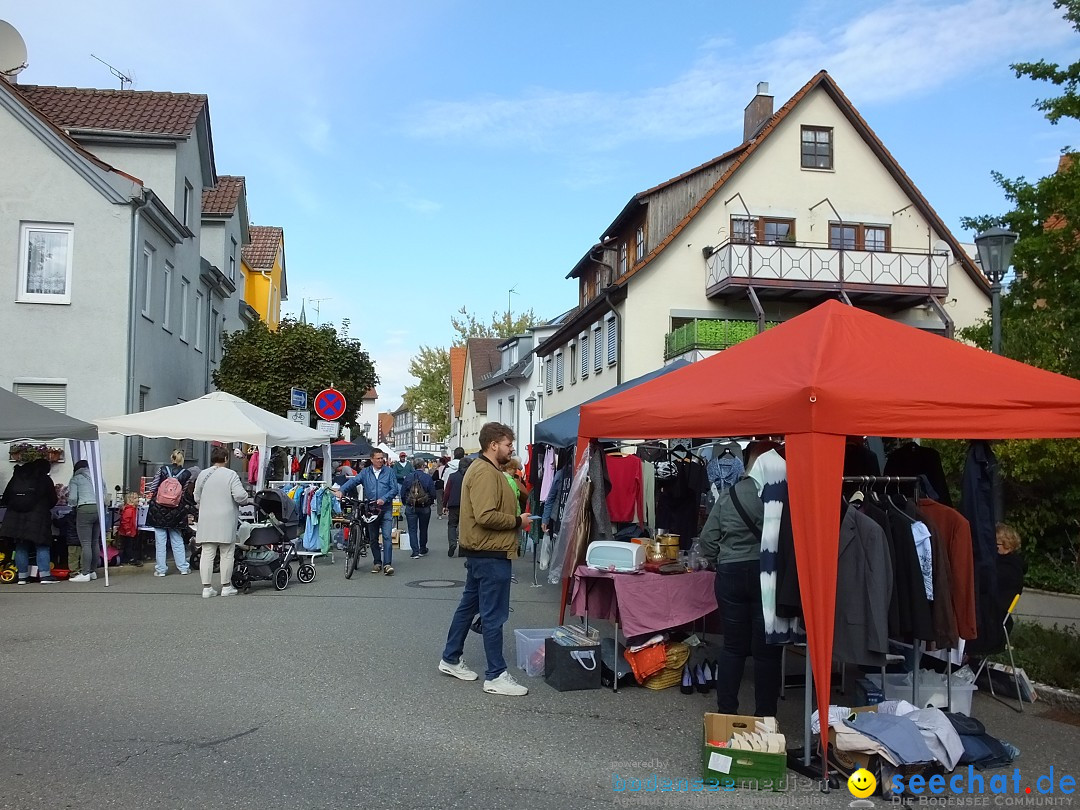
260	365
502	325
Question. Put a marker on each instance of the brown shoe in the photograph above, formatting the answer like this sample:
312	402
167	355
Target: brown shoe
376	569
388	570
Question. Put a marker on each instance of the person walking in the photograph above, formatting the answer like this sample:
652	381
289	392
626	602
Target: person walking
29	496
219	493
417	493
401	467
82	497
438	475
451	500
489	526
380	486
167	514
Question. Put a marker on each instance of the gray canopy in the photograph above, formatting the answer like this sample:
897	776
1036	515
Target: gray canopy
21	419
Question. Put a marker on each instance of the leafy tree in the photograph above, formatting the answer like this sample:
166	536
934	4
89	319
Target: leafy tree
261	365
502	325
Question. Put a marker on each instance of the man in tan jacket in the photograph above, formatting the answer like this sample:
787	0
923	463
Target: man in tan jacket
488	539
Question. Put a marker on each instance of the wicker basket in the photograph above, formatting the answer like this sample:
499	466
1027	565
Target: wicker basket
671	675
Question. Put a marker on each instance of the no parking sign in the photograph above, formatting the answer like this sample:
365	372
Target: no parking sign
330	404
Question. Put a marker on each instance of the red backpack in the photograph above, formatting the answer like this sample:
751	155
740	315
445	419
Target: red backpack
170	491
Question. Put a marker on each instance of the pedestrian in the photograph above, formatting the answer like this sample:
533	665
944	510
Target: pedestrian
82	497
127	529
438	475
489	529
401	468
451	500
167	517
417	494
29	497
219	493
1011	569
379	485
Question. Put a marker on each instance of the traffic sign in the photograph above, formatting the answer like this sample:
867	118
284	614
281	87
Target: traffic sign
329	428
303	417
298	398
330	404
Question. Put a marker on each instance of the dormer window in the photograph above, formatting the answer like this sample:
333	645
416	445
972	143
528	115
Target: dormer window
623	253
639	244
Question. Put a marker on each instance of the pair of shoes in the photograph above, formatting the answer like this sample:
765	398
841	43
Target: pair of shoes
415	555
458	670
376	569
451	550
505	685
229	590
423	552
207	592
687	685
81	578
160	573
388	570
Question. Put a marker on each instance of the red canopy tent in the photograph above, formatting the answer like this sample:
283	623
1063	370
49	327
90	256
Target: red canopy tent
832	372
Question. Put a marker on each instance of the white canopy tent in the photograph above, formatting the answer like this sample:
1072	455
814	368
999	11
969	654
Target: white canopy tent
221	417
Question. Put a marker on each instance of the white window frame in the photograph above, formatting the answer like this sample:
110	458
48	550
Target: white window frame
548	375
598	348
189	196
199	298
612	340
583	339
185	290
559	368
624	258
232	261
639	244
167	281
23	296
148	277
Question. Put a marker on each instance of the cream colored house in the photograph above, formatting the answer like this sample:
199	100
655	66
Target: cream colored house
481	358
810	206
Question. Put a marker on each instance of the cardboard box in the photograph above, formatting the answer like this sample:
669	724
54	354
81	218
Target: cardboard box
569	668
850	761
736	768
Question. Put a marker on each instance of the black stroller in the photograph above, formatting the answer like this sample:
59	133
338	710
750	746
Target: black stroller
269	550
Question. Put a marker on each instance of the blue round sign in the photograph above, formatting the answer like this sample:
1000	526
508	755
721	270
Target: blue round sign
330	404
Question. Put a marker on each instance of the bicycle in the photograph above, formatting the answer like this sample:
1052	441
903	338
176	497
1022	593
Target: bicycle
361	516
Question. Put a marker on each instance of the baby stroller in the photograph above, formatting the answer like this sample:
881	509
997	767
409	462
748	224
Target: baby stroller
269	550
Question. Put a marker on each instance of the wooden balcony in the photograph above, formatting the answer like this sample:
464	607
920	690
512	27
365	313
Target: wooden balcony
807	273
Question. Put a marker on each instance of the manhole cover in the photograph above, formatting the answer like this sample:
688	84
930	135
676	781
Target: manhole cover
437	583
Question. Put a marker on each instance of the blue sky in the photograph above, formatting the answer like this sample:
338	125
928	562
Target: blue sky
428	155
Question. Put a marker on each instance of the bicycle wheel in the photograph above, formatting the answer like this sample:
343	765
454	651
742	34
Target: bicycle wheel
360	531
351	556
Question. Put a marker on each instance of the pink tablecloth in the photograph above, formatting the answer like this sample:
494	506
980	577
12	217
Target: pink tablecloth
646	602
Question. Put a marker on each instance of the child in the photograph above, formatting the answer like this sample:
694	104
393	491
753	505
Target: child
127	530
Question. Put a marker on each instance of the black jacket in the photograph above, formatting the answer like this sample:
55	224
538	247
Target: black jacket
168	517
33	526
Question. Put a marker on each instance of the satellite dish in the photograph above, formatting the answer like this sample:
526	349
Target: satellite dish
12	50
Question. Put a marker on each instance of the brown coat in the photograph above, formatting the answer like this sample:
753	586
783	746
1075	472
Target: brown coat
489	512
955	531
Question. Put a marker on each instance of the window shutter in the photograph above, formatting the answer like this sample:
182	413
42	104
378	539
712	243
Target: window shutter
547	375
611	344
51	395
558	369
584	355
598	349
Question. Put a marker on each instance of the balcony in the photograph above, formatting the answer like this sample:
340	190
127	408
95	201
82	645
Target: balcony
709	335
808	273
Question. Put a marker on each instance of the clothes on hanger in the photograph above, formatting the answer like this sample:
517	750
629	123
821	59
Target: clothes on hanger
911	459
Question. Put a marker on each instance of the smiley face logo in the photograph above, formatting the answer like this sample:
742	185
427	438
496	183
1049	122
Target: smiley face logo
862	783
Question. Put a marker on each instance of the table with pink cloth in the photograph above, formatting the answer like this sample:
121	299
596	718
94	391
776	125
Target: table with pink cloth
643	602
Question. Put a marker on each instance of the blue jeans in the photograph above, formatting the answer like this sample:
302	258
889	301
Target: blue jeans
385	554
179	553
738	592
487	592
418	518
22	559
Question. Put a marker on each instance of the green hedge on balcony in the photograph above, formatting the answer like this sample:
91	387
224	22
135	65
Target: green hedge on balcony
709	335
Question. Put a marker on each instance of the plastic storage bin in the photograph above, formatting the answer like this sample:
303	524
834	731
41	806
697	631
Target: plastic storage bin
932	690
530	650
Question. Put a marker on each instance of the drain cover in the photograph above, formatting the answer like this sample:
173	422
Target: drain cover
437	583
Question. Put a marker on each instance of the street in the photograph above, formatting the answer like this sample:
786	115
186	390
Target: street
326	695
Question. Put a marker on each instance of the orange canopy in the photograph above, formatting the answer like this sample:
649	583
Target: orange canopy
829	373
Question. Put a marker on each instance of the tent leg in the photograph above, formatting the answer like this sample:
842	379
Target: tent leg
808	698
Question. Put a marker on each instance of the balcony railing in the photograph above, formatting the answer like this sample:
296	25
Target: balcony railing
709	335
795	266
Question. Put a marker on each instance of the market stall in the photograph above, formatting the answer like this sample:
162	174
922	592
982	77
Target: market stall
831	372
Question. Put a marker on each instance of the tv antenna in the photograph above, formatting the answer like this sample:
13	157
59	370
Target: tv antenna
317	302
124	79
12	51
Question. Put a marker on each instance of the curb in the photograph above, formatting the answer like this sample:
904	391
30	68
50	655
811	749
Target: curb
1053	696
1052	593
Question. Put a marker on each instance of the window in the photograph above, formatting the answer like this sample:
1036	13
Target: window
232	261
639	244
559	369
144	393
573	362
817	151
548	378
185	290
147	267
189	198
198	320
51	395
584	340
45	259
762	231
855	236
598	349
623	253
612	341
167	281
215	335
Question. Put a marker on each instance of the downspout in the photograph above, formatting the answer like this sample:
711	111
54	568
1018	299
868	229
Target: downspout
136	212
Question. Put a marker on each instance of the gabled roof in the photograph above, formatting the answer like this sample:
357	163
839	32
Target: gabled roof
144	112
386	424
222	199
483	359
457	375
263	250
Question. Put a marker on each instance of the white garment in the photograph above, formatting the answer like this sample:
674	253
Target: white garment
837	715
897	707
926	562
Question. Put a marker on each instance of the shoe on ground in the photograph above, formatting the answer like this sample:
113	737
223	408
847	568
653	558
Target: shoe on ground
93	575
505	685
80	578
185	573
22	580
376	569
388	570
48	580
160	573
458	670
415	555
208	592
137	563
423	553
229	590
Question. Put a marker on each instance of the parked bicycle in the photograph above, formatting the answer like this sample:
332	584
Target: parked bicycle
361	516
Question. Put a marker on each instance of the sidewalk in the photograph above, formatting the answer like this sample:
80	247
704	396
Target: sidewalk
1049	609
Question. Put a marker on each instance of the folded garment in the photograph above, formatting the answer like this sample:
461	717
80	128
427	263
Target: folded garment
848	739
897	707
837	714
899	734
641	645
940	736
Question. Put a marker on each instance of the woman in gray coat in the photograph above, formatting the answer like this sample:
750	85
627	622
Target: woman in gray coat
219	493
82	496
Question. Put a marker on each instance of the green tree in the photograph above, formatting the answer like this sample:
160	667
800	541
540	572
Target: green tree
260	365
502	325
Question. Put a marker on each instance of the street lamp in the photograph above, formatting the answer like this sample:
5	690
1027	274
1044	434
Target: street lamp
530	406
995	255
364	428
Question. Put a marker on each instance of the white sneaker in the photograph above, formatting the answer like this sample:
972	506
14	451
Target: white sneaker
80	578
93	575
208	592
458	670
229	590
159	573
505	685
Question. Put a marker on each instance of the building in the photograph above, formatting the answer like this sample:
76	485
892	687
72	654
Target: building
481	358
226	230
507	387
265	283
413	435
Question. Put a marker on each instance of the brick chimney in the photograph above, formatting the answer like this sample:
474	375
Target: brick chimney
757	112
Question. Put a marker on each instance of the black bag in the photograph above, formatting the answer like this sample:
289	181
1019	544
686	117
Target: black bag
23	495
416	497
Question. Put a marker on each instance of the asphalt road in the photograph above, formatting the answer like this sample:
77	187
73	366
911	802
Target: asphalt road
326	695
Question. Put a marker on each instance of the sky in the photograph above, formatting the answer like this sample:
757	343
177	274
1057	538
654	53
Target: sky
429	155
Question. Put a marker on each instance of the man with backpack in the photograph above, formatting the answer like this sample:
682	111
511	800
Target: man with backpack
417	496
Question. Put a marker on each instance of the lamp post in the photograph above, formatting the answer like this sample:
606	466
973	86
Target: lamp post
995	255
530	406
364	428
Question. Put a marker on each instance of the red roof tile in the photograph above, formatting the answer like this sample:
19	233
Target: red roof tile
222	199
142	111
265	243
457	375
